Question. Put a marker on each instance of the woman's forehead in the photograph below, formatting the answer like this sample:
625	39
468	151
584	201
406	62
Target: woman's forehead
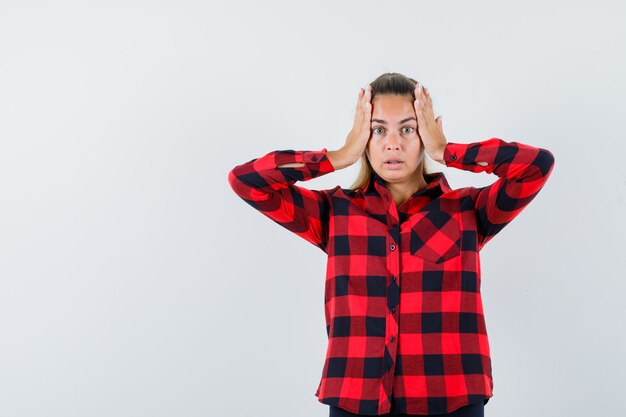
392	109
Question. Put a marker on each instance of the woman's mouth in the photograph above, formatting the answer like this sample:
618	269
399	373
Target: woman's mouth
393	164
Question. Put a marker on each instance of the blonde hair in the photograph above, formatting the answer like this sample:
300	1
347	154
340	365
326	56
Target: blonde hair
388	83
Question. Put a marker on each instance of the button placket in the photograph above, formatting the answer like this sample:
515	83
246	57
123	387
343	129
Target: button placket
393	290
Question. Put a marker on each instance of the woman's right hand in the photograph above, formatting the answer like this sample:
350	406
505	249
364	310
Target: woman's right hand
357	139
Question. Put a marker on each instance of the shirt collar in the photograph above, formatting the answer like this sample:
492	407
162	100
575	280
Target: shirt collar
433	181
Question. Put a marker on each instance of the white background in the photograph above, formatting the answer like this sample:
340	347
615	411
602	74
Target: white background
134	282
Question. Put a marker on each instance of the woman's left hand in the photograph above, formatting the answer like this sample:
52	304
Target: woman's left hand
429	129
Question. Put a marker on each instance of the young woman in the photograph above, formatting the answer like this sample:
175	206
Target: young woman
403	308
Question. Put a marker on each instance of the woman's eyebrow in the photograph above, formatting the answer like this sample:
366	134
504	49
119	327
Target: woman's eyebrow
401	121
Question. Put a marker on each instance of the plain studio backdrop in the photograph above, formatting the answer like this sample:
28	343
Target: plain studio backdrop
134	282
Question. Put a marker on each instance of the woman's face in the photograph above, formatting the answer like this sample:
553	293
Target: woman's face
394	137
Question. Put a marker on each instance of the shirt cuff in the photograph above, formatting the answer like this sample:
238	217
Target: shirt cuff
318	160
453	153
464	155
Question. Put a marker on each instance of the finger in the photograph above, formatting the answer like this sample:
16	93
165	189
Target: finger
416	102
426	103
367	105
422	92
367	116
367	96
427	95
419	94
424	121
419	112
419	102
358	115
358	102
363	97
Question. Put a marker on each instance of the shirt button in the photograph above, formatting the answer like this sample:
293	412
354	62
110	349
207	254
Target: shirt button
393	278
314	158
393	309
453	157
392	247
395	372
392	338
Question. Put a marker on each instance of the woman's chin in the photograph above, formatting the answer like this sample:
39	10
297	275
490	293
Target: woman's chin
393	176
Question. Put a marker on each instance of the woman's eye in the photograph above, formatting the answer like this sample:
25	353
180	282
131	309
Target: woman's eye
407	129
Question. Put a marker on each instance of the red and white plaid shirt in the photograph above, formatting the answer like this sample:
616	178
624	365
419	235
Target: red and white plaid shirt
403	308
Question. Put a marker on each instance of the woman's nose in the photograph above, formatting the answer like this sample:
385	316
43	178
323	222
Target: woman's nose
393	141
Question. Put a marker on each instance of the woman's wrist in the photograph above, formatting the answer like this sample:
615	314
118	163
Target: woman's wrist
437	156
341	158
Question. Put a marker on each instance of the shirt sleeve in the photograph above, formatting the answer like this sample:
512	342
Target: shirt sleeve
523	171
271	190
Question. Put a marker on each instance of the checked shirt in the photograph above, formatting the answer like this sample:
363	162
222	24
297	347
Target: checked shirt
403	307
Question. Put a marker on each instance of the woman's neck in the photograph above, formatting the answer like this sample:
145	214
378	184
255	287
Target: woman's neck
401	192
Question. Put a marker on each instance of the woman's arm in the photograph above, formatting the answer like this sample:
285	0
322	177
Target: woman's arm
523	171
268	185
339	159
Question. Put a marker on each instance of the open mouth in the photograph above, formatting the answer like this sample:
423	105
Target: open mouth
393	163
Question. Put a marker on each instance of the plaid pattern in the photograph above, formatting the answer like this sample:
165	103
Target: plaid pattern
403	309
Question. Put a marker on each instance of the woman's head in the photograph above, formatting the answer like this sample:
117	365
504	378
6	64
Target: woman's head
394	133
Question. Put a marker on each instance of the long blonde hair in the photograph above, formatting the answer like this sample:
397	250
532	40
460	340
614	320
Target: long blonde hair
387	83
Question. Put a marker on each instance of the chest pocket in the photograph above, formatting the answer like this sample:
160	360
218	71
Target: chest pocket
435	236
